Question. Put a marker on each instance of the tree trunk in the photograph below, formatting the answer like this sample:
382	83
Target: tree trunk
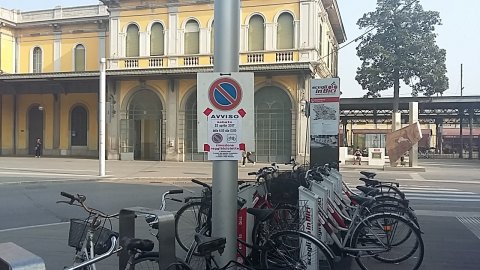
396	90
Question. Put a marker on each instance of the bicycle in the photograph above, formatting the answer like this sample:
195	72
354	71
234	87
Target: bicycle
90	237
140	251
284	249
371	237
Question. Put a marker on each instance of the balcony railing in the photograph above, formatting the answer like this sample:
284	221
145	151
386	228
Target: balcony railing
146	62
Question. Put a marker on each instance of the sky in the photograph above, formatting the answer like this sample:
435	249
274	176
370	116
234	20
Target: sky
459	36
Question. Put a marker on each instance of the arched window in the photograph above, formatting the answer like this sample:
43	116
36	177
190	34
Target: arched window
273	125
79	58
133	40
37	60
256	33
212	38
285	31
78	123
192	37
157	39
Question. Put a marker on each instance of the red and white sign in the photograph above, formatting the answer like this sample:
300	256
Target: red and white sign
225	115
325	106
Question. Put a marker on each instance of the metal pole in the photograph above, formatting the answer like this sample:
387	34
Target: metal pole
101	121
470	124
460	155
461	80
225	172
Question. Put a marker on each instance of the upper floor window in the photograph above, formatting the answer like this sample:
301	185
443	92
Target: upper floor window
37	60
133	41
285	31
79	57
157	40
192	37
256	33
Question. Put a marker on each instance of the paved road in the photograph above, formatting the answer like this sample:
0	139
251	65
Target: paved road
446	198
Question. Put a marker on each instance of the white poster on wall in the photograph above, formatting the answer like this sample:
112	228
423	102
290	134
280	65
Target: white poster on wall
325	108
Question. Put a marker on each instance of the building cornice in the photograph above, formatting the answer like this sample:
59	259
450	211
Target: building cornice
331	7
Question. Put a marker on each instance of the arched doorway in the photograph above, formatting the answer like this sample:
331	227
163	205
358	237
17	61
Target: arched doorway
141	132
35	127
273	125
191	141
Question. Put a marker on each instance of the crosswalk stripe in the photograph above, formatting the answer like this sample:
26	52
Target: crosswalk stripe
432	193
444	199
406	191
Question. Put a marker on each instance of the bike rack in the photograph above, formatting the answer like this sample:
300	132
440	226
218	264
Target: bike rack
166	237
14	257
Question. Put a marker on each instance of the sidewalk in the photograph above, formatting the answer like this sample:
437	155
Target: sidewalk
117	169
77	169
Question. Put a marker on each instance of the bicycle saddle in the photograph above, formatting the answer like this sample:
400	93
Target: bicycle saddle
368	174
207	245
370	191
139	244
261	214
370	182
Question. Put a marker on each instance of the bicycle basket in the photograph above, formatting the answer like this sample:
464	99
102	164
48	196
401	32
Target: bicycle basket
78	233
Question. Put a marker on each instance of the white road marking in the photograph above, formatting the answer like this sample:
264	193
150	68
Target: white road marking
33	227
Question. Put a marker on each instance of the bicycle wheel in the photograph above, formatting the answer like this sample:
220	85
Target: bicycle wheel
188	221
296	250
285	217
150	260
377	236
390	190
147	261
396	209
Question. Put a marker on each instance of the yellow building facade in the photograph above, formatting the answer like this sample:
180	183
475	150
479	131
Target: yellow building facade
154	49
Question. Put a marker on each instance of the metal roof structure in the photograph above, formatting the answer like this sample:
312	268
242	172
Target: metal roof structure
447	109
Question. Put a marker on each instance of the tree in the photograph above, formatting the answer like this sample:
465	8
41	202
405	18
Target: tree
401	46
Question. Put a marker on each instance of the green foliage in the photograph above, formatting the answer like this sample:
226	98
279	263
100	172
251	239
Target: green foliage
401	47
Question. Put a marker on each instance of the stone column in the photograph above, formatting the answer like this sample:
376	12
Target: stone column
413	118
171	118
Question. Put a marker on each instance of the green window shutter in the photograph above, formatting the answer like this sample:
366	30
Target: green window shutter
285	31
256	33
157	40
192	37
133	40
79	58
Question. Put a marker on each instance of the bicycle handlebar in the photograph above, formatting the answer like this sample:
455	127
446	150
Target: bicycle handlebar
201	183
68	195
81	203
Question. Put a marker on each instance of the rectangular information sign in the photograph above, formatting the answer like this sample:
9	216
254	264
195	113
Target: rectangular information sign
324	120
224	136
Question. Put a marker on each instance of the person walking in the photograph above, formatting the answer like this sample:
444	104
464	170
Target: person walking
38	148
247	156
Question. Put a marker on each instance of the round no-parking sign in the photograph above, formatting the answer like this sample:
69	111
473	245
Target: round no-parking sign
225	94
